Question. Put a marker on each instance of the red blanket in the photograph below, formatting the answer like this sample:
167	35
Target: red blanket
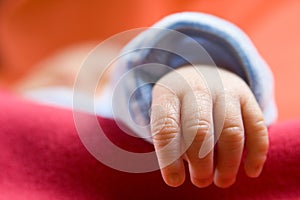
42	157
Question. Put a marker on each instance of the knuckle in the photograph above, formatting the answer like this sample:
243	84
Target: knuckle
198	132
156	124
201	128
163	118
260	127
170	125
233	134
261	139
164	130
203	133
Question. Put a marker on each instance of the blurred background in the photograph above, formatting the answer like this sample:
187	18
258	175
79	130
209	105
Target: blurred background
33	30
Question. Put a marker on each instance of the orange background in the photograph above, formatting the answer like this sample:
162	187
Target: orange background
30	30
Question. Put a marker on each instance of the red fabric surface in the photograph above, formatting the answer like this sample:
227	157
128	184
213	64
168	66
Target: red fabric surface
42	157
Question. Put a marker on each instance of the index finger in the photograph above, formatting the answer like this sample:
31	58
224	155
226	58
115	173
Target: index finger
165	129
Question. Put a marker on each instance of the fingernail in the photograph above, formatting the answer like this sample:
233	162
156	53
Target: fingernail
224	182
256	171
174	179
202	182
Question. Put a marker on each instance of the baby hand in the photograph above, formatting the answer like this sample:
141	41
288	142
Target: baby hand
193	111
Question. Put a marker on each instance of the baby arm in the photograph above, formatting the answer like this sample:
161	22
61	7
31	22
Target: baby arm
187	108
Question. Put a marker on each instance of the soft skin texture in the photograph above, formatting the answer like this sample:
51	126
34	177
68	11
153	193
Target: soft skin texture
193	109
